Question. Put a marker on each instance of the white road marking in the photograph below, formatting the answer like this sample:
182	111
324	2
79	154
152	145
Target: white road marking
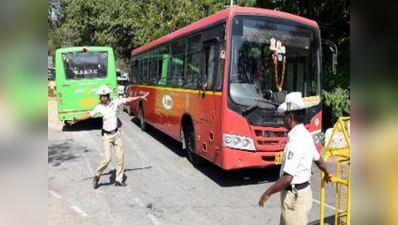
326	205
153	219
54	194
78	210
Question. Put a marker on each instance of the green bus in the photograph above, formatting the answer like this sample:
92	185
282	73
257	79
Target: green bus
80	72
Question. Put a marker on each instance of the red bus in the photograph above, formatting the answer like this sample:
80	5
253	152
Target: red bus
215	85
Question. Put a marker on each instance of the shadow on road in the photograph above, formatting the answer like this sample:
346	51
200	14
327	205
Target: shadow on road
164	139
86	125
112	175
59	153
90	124
239	177
215	173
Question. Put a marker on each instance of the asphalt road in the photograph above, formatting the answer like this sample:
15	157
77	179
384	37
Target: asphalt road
163	187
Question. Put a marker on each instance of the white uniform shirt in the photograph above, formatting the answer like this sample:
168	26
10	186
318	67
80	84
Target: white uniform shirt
108	112
299	153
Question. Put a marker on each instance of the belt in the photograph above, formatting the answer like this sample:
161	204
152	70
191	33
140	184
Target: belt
297	186
110	132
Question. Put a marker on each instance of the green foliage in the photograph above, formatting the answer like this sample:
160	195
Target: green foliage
338	101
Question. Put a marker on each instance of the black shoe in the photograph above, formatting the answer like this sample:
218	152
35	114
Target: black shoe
120	184
95	182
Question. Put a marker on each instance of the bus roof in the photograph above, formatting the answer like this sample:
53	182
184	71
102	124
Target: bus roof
80	48
221	16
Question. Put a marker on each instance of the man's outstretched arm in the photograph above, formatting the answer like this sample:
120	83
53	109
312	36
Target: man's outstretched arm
85	116
130	99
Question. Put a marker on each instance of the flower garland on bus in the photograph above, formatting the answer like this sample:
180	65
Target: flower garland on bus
275	59
277	51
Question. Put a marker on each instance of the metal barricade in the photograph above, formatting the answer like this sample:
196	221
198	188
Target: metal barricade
338	149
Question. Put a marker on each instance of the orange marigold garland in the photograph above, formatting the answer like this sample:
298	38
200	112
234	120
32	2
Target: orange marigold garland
275	59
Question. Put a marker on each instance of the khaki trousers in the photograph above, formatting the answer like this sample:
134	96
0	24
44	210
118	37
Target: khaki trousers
114	140
296	211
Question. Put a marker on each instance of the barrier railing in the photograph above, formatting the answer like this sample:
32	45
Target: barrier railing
338	149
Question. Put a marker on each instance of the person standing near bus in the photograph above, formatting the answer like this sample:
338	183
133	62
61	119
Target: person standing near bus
110	132
295	173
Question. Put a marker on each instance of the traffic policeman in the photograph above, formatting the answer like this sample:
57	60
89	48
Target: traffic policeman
110	132
295	173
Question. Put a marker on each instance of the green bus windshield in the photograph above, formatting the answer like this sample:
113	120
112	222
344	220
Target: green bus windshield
85	65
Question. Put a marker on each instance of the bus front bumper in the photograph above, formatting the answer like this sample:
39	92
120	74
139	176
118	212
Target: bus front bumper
236	159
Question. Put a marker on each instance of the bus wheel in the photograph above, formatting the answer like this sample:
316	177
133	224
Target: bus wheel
193	157
142	120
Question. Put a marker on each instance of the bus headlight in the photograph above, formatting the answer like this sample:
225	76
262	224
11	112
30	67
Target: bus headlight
227	139
238	142
245	143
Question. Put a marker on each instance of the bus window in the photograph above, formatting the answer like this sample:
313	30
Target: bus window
194	61
164	58
177	63
134	70
145	75
210	66
152	66
85	65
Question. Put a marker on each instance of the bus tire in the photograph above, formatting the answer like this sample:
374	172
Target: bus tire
193	157
141	116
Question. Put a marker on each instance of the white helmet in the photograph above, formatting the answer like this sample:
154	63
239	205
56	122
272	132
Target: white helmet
293	101
104	90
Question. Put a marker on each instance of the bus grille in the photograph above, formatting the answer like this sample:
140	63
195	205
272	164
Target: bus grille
269	138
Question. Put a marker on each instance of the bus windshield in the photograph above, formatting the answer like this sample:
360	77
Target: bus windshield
85	65
271	57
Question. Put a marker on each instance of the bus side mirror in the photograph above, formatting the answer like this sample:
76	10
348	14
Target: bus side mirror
333	49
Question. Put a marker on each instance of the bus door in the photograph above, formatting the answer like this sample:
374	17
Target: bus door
209	106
